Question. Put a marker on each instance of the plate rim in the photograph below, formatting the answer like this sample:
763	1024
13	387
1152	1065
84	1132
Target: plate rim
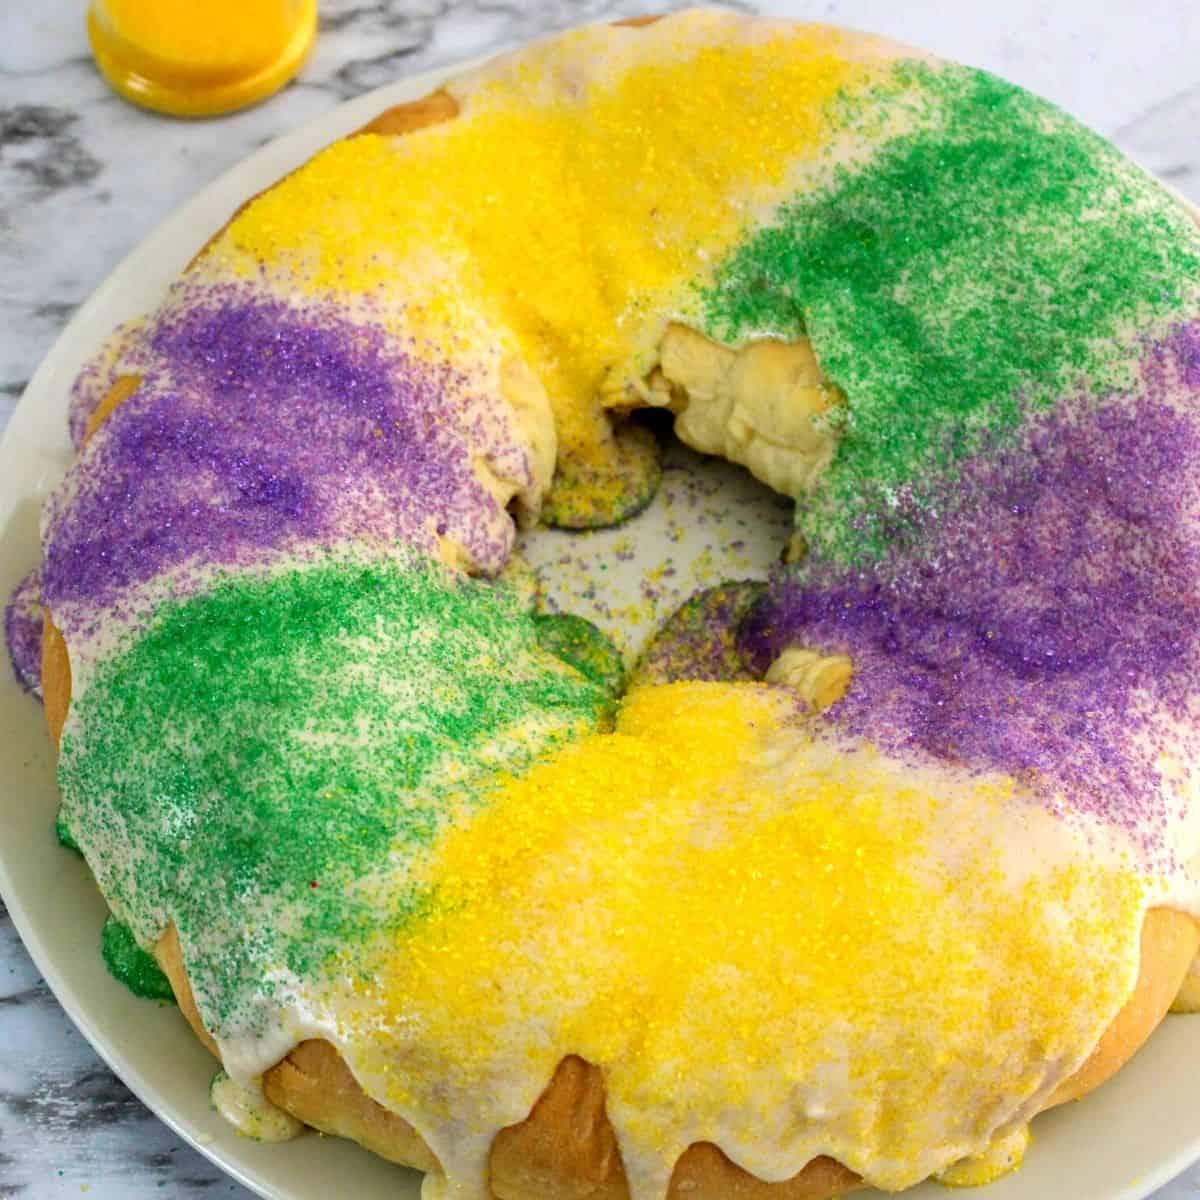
180	228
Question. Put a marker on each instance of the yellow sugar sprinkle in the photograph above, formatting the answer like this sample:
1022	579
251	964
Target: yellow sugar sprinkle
563	202
834	935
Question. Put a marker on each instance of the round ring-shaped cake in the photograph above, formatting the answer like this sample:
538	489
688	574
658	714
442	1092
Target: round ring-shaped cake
860	867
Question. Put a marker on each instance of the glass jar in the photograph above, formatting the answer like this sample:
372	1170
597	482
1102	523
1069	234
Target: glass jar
197	58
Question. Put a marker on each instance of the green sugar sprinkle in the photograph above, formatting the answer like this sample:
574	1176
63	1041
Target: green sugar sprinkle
578	642
590	496
131	965
63	833
995	258
267	761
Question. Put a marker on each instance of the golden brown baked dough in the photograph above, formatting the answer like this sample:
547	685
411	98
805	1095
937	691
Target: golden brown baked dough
433	109
1169	943
566	1149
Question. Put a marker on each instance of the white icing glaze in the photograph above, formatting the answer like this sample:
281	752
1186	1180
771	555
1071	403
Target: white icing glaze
1004	1155
790	1121
246	1108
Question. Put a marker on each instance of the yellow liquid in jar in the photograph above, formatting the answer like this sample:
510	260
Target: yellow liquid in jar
200	59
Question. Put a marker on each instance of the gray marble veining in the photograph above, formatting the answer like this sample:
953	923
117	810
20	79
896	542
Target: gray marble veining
83	177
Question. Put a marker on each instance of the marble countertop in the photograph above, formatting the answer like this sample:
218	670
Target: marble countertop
84	176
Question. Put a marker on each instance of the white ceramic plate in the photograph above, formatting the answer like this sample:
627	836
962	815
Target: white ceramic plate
710	522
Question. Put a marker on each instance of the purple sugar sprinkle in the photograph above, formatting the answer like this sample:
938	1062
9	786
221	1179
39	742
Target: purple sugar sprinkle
118	354
1178	355
698	641
23	632
260	425
86	393
1042	616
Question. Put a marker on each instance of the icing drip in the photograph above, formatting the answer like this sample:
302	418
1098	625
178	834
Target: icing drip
585	496
278	751
1056	638
1002	1157
63	834
377	799
23	632
864	951
250	1112
698	641
132	965
584	647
